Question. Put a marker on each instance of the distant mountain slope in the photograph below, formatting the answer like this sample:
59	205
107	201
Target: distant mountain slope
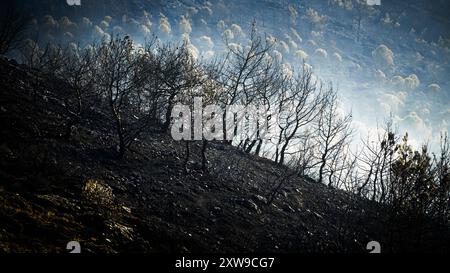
53	191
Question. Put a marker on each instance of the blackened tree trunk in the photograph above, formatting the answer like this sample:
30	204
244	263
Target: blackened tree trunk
204	159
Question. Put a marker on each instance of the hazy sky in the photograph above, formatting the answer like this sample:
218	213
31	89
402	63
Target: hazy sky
385	60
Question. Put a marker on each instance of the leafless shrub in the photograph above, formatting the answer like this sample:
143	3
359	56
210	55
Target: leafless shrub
13	24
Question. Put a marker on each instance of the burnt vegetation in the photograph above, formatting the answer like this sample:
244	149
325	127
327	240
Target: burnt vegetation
86	153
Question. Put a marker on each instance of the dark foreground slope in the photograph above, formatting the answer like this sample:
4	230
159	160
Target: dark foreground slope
55	190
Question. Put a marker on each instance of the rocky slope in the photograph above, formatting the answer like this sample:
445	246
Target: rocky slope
54	190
